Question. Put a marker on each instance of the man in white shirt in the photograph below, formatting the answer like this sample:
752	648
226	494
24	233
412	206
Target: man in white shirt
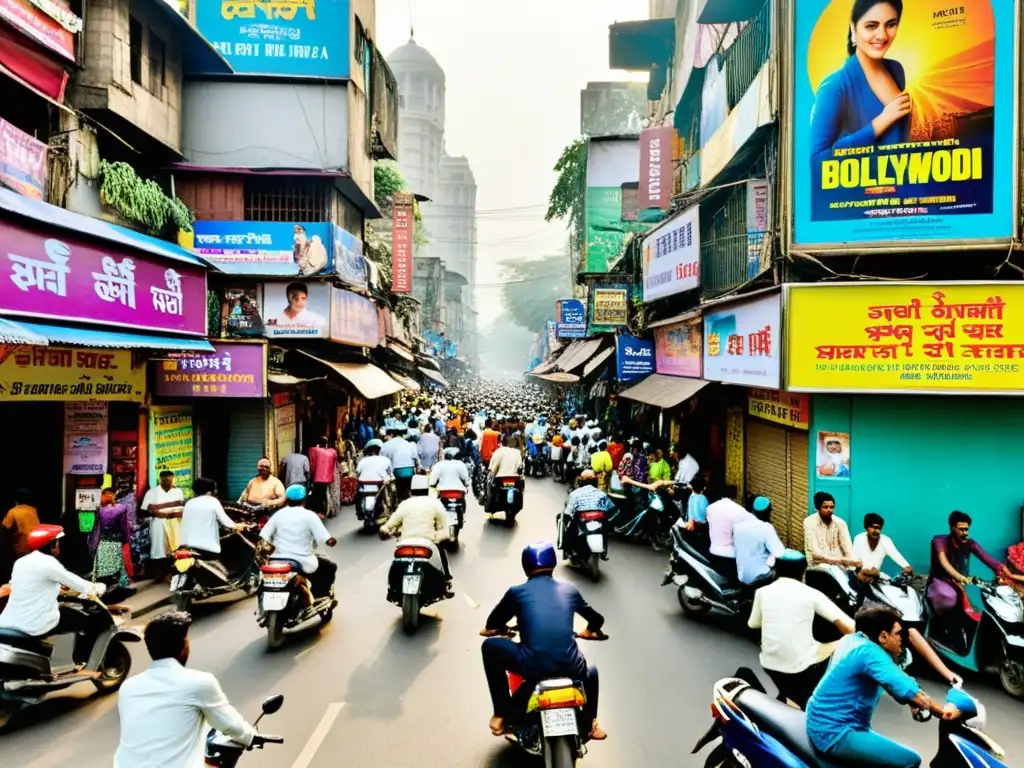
202	518
166	710
428	447
505	462
164	504
297	315
403	457
723	517
421	516
784	611
295	531
450	474
374	467
872	547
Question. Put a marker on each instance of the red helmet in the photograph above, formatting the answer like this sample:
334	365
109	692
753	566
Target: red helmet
42	535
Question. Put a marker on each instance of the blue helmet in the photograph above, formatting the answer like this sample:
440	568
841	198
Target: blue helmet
295	492
539	556
762	503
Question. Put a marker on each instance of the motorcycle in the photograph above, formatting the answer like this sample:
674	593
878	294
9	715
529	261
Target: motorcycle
753	729
536	460
991	641
32	667
589	545
224	752
479	475
286	600
557	463
455	504
366	503
898	593
507	497
197	578
416	580
701	586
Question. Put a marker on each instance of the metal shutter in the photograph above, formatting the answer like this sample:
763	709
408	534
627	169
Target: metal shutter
767	470
799	504
246	444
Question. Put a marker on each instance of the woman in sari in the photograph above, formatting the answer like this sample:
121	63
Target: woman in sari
115	521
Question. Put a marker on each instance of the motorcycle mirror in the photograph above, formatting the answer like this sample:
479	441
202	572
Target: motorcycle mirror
272	704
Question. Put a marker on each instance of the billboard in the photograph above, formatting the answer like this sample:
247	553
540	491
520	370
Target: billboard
677	348
656	167
634	358
231	370
22	161
297	309
671	261
905	337
909	159
572	319
354	319
266	247
742	343
613	109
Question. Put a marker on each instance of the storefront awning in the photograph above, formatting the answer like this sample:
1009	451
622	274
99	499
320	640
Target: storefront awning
576	356
12	333
409	383
664	391
428	361
100	337
596	362
402	352
371	381
434	376
559	378
287	380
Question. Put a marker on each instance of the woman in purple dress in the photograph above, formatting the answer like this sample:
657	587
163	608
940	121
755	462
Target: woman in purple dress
115	522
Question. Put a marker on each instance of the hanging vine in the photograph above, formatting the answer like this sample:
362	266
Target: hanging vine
141	201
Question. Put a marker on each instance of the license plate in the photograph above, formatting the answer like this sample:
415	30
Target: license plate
411	584
593	525
595	542
453	517
274	601
369	503
177	581
559	722
181	566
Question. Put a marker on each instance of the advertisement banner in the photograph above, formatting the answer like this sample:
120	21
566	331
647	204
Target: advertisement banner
613	109
354	319
572	319
634	358
287	38
758	222
921	167
85	438
787	408
296	309
240	312
171	444
349	262
22	161
610	306
67	280
672	257
656	167
402	223
905	337
612	166
231	370
677	348
44	29
266	247
742	343
69	373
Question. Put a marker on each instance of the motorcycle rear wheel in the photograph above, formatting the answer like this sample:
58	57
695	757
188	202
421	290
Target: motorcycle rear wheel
275	632
117	664
182	602
8	711
691	607
410	613
594	567
559	754
1011	677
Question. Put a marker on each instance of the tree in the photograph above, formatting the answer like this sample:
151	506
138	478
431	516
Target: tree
387	180
568	198
533	286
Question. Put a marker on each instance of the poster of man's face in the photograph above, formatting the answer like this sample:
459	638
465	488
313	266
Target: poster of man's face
833	454
296	309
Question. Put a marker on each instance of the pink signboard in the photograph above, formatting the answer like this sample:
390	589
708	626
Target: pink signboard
656	168
678	349
233	369
402	224
22	161
64	278
31	21
354	319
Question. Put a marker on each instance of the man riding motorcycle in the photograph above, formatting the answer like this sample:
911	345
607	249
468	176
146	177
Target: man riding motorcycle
264	489
450	474
586	497
421	516
294	532
507	461
202	518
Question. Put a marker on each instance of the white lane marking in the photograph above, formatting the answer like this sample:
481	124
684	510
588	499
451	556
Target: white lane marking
373	571
305	758
470	601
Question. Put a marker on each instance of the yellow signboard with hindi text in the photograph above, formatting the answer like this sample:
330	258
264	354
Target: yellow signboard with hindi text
905	337
69	374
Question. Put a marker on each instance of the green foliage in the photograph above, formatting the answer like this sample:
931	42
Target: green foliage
532	287
387	180
141	201
568	198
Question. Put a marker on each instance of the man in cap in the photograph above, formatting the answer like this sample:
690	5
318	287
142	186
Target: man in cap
164	505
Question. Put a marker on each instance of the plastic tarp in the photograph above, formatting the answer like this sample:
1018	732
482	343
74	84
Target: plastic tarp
664	391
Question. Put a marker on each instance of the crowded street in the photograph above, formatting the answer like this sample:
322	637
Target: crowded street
361	693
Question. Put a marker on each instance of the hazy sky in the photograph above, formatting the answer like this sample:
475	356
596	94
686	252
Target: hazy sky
514	75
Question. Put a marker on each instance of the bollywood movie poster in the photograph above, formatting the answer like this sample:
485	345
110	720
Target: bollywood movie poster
903	122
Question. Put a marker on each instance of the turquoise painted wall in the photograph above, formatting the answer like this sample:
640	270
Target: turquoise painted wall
913	460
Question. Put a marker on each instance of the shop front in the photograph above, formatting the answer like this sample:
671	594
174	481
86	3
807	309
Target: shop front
924	380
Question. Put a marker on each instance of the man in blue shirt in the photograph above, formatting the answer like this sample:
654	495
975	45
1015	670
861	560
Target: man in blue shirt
544	608
757	545
863	665
697	505
586	498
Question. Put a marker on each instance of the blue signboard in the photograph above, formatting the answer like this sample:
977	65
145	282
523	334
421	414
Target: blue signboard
634	358
349	263
270	248
284	38
572	319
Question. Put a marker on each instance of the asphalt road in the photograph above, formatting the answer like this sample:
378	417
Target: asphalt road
359	693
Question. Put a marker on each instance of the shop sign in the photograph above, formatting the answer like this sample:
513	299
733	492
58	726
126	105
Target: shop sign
171	444
40	26
572	319
672	256
272	248
611	306
85	437
285	429
939	171
354	319
296	310
69	373
905	337
349	262
231	370
22	161
240	312
634	358
758	216
656	171
788	408
285	38
742	343
402	222
67	280
677	348
613	168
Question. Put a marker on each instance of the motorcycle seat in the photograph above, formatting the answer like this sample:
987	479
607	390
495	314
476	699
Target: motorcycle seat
25	642
786	724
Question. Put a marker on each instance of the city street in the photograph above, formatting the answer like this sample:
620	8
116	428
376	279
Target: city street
359	693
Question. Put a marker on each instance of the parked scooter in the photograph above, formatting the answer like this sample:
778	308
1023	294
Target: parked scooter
756	730
455	504
31	667
367	508
701	586
991	641
236	568
507	498
286	600
588	545
224	752
416	580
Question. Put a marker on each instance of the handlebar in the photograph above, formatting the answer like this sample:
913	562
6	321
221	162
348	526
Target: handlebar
260	739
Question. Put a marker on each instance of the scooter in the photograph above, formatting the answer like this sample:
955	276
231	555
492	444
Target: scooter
455	504
753	729
507	498
701	587
224	752
286	600
590	545
416	580
235	569
31	667
536	461
557	464
899	593
367	496
991	641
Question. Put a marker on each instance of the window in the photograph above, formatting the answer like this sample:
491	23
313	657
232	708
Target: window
157	65
135	44
360	41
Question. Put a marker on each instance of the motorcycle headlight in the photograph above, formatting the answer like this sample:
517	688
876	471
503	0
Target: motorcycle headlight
657	504
1007	605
